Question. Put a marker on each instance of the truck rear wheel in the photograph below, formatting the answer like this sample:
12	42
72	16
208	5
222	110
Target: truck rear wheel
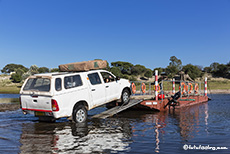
79	114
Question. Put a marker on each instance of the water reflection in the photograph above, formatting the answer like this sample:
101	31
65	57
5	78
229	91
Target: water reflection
190	119
157	136
97	136
107	136
165	129
151	132
9	102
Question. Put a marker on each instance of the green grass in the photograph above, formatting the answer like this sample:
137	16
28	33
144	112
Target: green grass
10	90
214	85
7	87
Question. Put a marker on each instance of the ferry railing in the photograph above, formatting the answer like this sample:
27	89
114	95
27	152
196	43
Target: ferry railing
166	87
141	88
190	88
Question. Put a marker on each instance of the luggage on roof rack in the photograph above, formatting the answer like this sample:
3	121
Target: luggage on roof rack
83	66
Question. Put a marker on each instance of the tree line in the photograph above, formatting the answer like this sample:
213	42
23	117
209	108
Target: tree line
19	72
130	71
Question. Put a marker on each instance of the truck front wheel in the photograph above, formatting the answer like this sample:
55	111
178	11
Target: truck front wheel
125	96
79	114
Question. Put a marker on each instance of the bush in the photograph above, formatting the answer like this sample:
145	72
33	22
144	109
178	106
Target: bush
125	76
132	78
54	70
17	78
148	73
116	71
138	69
193	71
43	70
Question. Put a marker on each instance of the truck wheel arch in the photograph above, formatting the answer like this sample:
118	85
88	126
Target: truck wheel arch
84	103
127	89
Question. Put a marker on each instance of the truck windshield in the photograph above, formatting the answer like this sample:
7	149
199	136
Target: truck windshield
38	84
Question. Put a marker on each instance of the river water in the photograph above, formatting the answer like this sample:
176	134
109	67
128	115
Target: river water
203	126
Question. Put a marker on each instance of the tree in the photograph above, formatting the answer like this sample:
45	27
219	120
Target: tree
148	73
199	67
174	67
171	71
175	62
138	70
13	67
193	71
222	71
54	70
125	67
116	71
208	69
228	64
160	70
34	69
43	70
214	66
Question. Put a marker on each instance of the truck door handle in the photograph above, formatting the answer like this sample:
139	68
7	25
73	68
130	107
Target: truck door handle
106	86
93	89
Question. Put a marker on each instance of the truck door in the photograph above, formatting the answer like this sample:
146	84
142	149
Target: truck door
97	89
111	87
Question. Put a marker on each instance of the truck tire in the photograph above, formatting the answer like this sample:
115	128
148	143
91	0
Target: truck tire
125	96
79	114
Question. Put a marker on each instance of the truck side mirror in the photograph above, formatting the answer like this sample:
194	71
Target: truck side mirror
117	78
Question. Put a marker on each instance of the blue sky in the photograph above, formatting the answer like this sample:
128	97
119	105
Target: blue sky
147	32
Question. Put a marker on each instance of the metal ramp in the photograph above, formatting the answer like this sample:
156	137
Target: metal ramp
117	109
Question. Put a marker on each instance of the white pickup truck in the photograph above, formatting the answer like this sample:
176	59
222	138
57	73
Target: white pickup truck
65	94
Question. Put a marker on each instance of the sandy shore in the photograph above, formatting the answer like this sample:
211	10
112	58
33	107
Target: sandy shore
219	91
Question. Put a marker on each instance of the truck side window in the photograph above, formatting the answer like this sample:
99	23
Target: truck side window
94	78
107	77
58	84
72	81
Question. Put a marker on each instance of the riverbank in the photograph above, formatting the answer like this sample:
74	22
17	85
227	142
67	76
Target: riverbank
7	86
9	90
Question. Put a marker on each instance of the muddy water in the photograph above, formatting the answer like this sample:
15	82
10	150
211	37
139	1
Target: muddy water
207	124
